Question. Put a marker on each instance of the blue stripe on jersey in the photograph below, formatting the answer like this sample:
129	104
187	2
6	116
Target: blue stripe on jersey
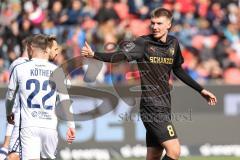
16	66
3	152
20	123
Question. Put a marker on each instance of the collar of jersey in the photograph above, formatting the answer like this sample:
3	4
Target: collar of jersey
39	59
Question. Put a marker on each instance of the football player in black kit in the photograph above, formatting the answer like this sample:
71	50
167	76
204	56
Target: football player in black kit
157	55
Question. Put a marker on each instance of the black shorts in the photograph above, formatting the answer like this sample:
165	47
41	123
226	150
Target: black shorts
159	128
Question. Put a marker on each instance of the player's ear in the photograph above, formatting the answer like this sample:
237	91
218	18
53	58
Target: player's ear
169	25
29	49
47	50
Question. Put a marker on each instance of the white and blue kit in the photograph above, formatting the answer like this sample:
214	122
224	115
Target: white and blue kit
37	101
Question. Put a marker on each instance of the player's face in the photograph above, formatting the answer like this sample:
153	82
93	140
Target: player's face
160	26
54	51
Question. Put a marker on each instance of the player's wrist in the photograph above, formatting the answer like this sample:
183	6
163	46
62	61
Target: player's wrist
203	90
71	124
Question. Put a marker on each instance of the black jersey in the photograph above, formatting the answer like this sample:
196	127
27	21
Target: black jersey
155	66
155	61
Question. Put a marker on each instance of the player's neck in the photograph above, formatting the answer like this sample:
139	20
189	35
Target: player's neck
40	56
163	38
25	54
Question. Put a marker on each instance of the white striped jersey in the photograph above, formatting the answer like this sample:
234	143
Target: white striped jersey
38	94
16	108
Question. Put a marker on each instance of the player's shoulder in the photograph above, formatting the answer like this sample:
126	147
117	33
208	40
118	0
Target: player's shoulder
145	37
51	64
18	61
20	65
150	37
172	38
142	39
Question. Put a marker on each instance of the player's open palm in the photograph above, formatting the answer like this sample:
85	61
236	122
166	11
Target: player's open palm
70	135
210	97
87	51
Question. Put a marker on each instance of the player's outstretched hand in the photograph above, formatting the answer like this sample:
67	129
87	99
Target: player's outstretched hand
87	51
70	135
10	118
210	97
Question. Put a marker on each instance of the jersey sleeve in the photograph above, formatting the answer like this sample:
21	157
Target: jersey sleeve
13	80
183	76
11	92
178	60
133	50
128	50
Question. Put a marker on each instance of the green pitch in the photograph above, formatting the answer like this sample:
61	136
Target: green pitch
199	158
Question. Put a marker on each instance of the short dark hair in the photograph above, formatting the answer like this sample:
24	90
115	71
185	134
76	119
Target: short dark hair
159	12
26	41
50	40
39	41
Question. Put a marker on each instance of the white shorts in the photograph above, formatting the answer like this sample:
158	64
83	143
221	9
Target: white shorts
36	142
14	140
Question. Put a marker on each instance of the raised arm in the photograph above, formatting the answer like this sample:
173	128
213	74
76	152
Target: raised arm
128	50
112	57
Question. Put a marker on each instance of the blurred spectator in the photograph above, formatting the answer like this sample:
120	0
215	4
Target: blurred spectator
76	39
35	12
74	14
4	74
231	74
25	28
138	8
56	13
106	12
208	30
9	9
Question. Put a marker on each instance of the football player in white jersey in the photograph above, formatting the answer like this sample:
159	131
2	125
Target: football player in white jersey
38	94
11	141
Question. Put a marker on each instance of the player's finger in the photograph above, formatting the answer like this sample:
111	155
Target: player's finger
210	101
84	50
86	53
213	100
70	139
87	45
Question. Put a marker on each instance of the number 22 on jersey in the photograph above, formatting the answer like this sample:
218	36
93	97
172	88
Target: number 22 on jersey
37	87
